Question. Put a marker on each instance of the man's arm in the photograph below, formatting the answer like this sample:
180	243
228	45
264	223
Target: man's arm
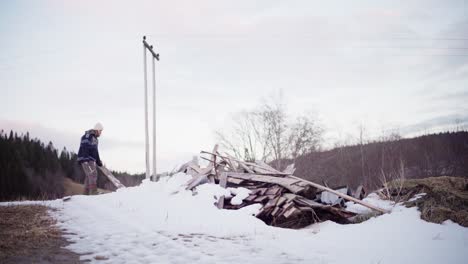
95	152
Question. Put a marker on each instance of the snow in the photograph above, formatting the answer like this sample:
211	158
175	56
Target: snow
164	223
416	197
240	194
372	199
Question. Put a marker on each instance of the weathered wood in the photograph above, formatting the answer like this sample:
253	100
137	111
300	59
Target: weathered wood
290	212
244	164
194	168
197	180
288	205
265	166
220	203
222	183
228	162
111	177
223	179
305	208
260	170
284	182
276	211
290	169
345	196
261	199
235	181
251	198
272	202
262	191
281	201
274	190
213	163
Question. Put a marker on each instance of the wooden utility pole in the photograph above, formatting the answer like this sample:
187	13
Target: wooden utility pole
155	56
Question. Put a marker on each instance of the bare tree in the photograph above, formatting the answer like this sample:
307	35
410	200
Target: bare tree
304	137
274	117
361	148
245	137
267	134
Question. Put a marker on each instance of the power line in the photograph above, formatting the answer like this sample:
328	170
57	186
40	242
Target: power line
406	47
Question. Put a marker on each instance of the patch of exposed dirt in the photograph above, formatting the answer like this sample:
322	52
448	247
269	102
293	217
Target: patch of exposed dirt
29	235
446	198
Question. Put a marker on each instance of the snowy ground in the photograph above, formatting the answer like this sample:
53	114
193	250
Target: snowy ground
163	223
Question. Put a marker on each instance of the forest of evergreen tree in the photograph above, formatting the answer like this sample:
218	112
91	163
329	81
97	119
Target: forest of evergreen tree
30	169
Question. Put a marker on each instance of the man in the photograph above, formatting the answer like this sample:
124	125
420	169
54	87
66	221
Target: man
88	157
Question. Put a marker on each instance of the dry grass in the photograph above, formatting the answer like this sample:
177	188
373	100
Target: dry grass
446	197
29	235
74	188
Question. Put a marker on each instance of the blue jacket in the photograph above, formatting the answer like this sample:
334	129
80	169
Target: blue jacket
89	148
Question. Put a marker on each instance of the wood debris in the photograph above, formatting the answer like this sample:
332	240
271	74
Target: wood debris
287	201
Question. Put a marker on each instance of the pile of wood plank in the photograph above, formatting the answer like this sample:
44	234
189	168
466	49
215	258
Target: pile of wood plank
287	201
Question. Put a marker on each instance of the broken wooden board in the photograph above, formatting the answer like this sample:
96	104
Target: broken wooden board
111	177
287	183
197	180
345	196
290	169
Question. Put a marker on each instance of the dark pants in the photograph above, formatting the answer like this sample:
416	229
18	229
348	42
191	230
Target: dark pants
91	174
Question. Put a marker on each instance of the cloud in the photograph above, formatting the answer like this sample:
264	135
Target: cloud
437	124
349	61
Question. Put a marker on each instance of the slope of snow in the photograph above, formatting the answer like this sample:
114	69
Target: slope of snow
163	223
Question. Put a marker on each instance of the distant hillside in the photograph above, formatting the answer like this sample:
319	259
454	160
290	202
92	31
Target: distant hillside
369	164
29	169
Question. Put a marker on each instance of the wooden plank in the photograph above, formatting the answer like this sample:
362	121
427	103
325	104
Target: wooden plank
261	199
111	177
345	196
251	198
262	191
220	203
305	209
197	180
289	196
288	205
223	179
231	164
215	167
284	182
222	183
275	190
276	211
260	170
235	181
290	169
271	202
267	167
290	212
244	163
281	201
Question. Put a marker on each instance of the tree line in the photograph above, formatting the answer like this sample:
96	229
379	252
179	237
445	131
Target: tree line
30	169
373	163
270	133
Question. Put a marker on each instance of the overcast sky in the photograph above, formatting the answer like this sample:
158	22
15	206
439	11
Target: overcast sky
389	65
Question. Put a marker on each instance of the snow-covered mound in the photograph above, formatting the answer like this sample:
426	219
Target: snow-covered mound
163	223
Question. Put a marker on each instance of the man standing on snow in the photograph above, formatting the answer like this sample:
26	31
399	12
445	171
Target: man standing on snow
88	157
